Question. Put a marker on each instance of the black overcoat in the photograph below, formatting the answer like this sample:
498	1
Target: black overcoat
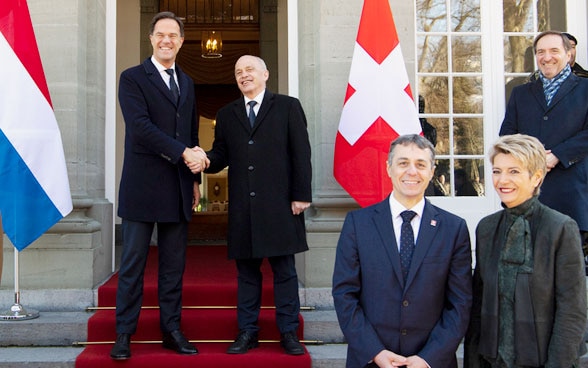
269	167
156	185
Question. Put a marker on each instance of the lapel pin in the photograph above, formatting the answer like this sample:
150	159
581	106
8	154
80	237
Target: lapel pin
433	222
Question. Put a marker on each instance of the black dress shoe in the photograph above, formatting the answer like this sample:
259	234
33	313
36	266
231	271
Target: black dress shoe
176	341
291	344
244	341
122	347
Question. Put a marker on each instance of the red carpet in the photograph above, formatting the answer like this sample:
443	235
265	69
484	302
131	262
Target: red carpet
209	280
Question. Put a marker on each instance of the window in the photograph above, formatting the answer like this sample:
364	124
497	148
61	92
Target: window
450	90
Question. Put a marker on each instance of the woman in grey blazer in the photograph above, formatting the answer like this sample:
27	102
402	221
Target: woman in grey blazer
529	306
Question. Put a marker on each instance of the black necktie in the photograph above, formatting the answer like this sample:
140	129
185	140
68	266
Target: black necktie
251	112
406	241
172	85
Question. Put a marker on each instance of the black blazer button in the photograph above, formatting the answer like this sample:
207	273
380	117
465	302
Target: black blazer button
252	194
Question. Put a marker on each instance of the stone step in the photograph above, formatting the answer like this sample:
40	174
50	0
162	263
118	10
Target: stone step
322	325
49	329
38	357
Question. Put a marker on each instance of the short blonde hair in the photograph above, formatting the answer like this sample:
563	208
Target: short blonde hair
528	150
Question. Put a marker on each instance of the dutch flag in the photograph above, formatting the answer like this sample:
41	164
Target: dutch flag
34	187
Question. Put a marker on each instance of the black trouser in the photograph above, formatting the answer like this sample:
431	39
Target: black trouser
285	293
171	248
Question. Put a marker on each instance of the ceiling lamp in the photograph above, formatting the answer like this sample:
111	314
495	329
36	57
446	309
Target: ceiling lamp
212	45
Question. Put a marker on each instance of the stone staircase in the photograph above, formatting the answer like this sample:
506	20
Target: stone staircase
49	341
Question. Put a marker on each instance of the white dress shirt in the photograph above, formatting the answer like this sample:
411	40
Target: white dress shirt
396	208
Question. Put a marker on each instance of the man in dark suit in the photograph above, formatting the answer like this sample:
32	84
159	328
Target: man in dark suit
267	150
402	302
554	109
161	127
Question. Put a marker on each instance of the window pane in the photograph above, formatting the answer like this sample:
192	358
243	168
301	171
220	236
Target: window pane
518	15
435	92
431	16
465	15
518	54
468	177
440	186
442	128
467	54
432	57
468	136
467	95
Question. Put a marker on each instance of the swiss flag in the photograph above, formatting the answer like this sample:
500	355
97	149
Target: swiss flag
378	107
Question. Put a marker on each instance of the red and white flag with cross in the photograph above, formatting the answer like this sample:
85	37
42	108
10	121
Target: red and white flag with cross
378	107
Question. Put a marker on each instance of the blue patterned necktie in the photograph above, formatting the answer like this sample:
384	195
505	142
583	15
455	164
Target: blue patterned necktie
406	241
251	112
172	85
550	87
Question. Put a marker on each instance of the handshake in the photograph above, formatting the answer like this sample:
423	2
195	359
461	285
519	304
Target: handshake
196	160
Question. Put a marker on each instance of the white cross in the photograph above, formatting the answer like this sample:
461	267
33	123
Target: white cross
379	92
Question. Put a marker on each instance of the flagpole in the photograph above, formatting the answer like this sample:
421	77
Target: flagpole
17	312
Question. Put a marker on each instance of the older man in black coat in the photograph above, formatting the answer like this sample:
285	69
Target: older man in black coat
263	139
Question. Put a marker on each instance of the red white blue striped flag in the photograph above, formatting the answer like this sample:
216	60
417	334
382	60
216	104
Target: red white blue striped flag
34	187
378	107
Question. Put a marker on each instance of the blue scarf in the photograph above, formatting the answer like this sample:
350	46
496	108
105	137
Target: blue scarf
551	86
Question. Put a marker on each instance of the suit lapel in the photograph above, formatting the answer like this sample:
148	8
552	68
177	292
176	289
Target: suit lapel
266	105
537	90
430	222
241	113
183	81
383	221
155	78
563	90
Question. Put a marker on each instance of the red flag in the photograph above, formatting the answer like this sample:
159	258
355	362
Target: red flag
378	107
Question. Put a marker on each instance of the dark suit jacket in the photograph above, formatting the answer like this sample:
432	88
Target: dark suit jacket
429	315
563	128
269	167
156	185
